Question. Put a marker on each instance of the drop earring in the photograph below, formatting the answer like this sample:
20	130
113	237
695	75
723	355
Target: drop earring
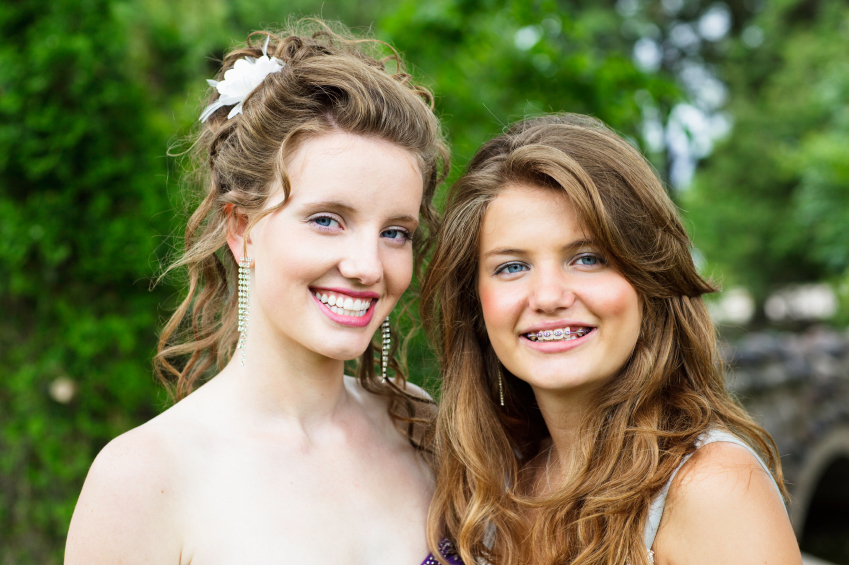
244	290
500	386
387	341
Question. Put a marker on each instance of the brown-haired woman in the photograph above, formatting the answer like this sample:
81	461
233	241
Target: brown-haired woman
320	158
581	387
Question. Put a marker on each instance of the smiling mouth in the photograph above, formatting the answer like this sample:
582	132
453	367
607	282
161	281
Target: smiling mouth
344	305
559	334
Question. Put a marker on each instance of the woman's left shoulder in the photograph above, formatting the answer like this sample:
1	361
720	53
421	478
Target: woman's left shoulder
422	406
354	385
415	390
723	507
727	469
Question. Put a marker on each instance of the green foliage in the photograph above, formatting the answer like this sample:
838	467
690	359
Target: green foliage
91	94
770	206
80	187
494	62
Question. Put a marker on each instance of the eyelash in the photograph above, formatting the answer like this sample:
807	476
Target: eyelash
314	221
406	234
601	260
503	268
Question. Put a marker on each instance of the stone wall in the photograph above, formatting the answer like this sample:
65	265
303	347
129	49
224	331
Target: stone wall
797	387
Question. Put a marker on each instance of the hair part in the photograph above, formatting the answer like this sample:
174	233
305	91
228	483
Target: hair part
331	82
640	424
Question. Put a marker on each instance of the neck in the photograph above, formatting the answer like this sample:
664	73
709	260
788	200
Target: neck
284	382
563	413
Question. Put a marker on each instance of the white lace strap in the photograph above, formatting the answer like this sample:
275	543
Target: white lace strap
657	505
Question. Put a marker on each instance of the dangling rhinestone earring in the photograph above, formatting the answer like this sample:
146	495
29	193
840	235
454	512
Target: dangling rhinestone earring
500	387
244	289
387	341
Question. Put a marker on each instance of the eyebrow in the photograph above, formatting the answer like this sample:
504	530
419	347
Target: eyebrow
404	219
517	251
330	204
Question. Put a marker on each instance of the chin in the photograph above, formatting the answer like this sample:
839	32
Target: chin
343	353
559	383
563	381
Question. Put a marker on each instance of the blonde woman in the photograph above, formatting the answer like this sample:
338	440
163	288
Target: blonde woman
584	417
320	163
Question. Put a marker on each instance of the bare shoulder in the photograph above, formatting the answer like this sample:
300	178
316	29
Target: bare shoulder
417	391
414	390
721	468
723	508
127	509
376	405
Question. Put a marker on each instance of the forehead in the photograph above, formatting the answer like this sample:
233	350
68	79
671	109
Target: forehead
525	214
352	167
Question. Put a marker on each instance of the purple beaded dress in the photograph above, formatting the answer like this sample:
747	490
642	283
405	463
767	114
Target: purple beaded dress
447	551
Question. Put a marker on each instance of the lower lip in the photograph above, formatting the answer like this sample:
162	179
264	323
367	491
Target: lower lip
558	346
351	321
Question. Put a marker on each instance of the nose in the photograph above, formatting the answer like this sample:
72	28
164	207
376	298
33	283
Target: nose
551	291
362	262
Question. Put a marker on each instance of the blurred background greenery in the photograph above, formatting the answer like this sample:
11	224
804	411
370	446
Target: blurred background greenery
741	105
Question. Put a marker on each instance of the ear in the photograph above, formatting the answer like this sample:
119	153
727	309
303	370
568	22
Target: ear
237	223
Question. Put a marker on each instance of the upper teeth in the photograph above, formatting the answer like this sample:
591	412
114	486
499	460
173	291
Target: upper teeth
558	334
344	305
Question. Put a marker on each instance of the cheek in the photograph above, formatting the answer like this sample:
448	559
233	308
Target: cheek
398	271
283	277
620	303
286	262
499	308
294	263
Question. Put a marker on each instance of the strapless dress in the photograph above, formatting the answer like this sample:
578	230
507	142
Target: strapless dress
447	551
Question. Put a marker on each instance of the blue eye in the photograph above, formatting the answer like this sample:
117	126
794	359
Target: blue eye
512	268
326	222
397	234
589	260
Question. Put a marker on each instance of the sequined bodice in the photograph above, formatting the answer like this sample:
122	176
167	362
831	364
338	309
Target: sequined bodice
447	551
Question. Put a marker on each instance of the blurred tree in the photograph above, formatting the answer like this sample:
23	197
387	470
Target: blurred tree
770	206
492	62
85	119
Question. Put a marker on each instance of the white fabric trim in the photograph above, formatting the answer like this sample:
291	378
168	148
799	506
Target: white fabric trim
659	502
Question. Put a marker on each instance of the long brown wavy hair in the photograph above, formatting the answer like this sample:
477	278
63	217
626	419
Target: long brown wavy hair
331	81
640	424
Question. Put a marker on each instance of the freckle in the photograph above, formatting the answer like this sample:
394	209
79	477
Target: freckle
163	492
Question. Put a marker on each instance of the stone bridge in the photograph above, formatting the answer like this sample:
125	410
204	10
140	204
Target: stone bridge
797	387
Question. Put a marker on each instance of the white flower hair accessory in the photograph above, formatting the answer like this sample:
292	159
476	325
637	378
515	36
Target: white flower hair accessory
240	81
